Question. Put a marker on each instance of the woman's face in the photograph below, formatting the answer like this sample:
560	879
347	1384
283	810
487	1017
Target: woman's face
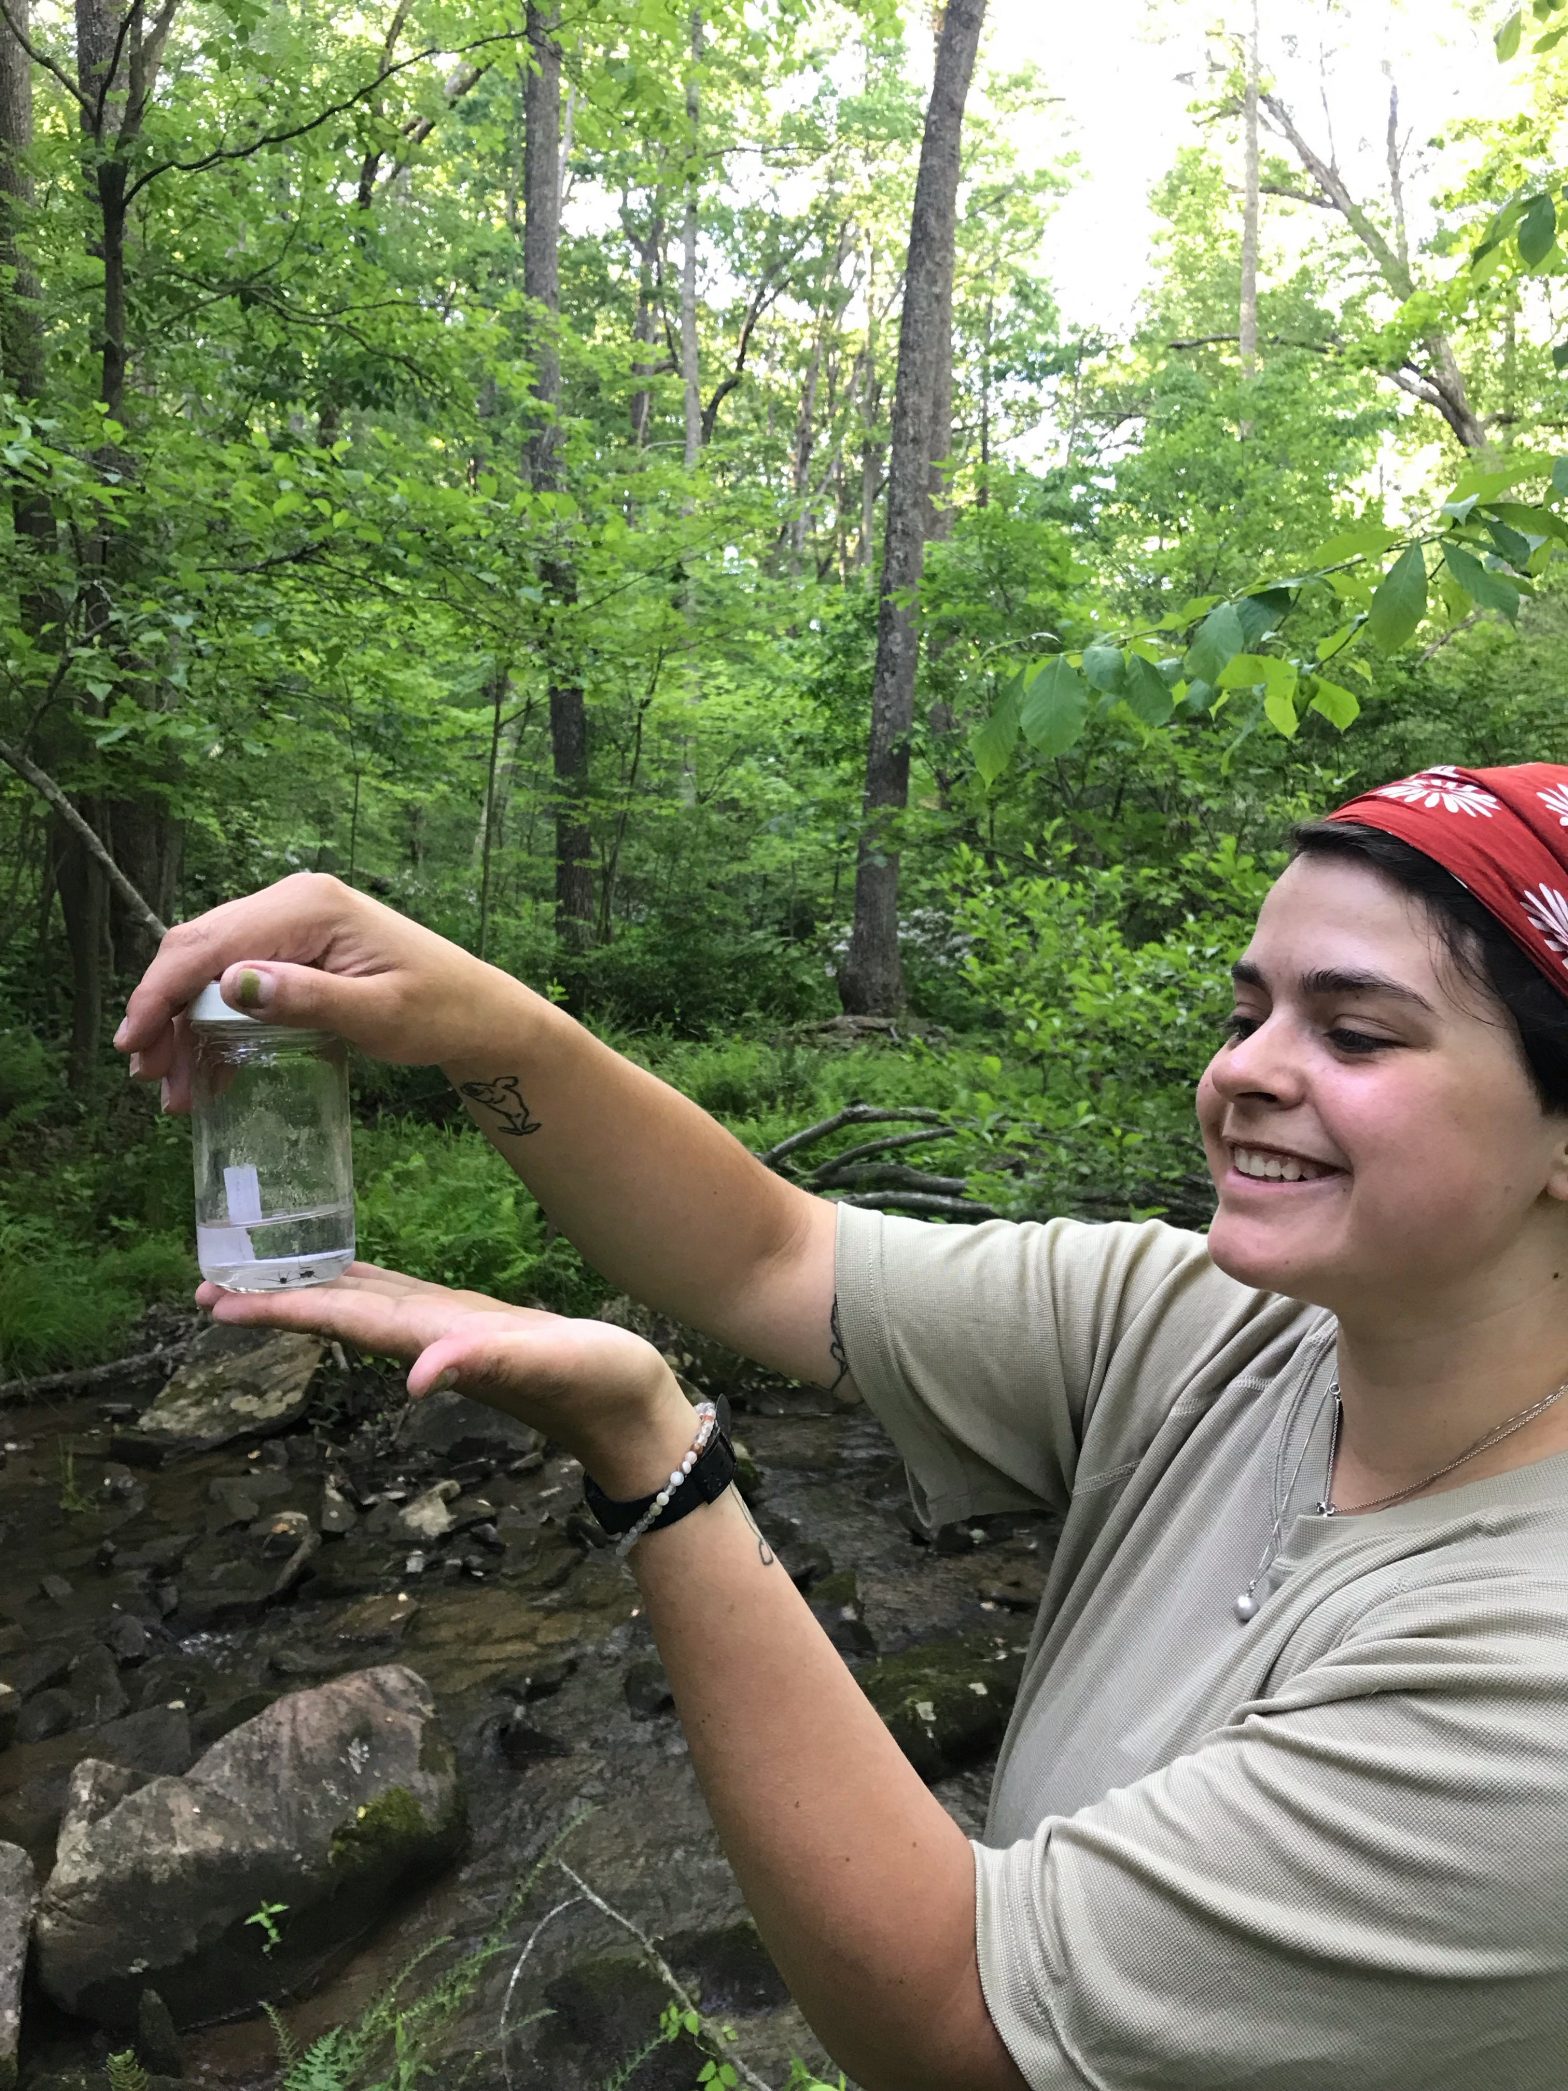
1362	1065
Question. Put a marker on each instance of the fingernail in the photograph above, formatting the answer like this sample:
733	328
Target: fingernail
163	1094
444	1380
253	990
135	1067
119	1036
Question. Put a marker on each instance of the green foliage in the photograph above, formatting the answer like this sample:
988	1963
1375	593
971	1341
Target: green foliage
122	2072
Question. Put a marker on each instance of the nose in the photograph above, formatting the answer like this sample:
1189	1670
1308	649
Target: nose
1262	1065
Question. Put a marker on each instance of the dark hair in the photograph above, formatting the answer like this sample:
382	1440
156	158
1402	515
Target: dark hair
1482	950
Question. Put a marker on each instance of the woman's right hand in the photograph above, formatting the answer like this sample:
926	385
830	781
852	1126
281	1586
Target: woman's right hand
311	951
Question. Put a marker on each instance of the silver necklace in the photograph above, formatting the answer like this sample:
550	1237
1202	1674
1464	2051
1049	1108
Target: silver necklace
1247	1604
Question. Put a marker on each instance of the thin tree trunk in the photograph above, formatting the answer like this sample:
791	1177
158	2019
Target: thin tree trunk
1248	326
574	894
871	980
691	376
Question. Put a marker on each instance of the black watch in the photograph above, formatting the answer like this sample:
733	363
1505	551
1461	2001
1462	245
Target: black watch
707	1481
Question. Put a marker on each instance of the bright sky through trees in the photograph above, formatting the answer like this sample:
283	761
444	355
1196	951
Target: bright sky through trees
1128	72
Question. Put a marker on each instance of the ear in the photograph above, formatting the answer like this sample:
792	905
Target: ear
1557	1160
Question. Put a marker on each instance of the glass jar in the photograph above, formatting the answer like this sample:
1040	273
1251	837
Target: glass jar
271	1149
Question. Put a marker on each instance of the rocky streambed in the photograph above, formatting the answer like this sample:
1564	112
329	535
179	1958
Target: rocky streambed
300	1682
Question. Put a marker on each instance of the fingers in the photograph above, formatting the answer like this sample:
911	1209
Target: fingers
291	919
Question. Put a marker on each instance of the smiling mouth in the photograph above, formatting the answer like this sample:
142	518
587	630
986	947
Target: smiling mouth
1262	1165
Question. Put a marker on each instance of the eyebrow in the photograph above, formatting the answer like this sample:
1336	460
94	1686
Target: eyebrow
1334	980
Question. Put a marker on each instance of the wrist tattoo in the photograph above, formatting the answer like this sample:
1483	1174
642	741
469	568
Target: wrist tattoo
504	1098
836	1349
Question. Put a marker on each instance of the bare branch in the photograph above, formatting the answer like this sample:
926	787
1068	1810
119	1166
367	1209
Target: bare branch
25	767
852	1114
922	1202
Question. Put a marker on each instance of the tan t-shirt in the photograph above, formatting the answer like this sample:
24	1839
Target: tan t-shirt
1326	1850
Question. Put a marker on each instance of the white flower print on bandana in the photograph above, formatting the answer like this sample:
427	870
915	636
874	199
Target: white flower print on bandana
1547	910
1557	801
1441	787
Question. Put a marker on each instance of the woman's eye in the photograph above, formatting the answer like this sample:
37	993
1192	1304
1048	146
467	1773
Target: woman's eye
1357	1041
1239	1026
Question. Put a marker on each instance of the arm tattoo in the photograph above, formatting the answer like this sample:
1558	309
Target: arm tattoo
765	1553
836	1349
502	1097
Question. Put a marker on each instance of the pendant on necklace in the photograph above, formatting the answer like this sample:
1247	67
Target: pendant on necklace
1246	1607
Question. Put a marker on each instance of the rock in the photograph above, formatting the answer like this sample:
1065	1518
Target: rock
520	1742
38	1669
456	1429
377	1618
226	1591
648	1691
10	1705
946	1702
1015	1593
430	1516
323	1802
284	1533
233	1503
337	1515
235	1383
125	1637
48	1713
729	1969
157	2043
543	1681
94	1685
18	1892
608	2009
57	1588
157	1740
835	1604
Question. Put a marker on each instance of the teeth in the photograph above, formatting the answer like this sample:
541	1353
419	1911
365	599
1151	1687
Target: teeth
1275	1168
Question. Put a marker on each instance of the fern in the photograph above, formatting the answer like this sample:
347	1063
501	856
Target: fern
126	2073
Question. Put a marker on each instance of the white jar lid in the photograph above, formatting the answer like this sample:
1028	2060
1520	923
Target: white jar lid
209	1007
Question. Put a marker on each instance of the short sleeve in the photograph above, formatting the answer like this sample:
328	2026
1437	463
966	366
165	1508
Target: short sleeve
1361	1881
987	1351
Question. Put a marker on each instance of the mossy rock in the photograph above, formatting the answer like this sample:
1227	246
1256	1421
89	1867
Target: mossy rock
946	1702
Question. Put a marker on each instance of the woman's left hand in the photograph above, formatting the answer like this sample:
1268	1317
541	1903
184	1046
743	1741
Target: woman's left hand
591	1388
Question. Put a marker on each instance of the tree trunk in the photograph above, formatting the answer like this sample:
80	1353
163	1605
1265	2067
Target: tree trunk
871	979
691	376
21	321
574	885
1248	323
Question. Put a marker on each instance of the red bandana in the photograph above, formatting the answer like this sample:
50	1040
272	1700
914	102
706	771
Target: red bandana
1502	833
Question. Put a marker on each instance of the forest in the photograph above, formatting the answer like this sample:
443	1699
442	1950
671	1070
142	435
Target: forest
462	451
639	487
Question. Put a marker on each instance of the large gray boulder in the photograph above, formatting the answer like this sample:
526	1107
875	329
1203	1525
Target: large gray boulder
17	1895
235	1384
321	1804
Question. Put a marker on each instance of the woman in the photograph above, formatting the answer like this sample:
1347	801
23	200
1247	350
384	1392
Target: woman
1282	1800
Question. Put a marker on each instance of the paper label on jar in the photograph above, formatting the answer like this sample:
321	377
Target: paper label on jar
243	1189
224	1246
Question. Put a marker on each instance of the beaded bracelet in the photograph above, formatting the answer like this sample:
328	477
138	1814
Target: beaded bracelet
708	1422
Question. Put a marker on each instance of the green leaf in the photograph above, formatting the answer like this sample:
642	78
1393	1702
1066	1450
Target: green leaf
993	743
1337	641
1512	546
1102	664
1400	602
1054	707
1263	613
1220	638
1507	38
1280	711
1147	694
1244	671
1537	230
1560	348
1560	475
1339	706
1369	541
1491	591
1550	40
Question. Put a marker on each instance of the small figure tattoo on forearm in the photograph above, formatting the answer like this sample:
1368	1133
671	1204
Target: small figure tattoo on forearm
505	1099
836	1349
